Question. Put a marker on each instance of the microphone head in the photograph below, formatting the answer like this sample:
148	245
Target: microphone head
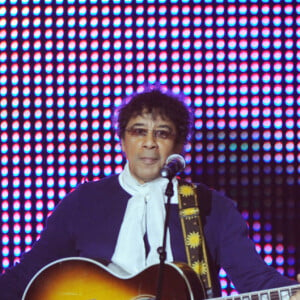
176	157
175	163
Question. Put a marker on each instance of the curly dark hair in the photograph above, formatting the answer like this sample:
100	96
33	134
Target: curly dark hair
157	103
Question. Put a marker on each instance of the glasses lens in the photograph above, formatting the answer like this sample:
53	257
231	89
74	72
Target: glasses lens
141	132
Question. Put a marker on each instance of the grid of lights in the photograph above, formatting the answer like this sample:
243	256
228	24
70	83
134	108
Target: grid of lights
65	68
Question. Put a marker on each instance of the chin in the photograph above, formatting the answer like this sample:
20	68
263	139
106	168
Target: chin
149	178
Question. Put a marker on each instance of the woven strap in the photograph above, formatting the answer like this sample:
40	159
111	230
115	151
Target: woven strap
195	245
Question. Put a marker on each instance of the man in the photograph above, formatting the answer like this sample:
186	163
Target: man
120	219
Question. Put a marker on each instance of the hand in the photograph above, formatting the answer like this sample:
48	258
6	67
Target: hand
297	295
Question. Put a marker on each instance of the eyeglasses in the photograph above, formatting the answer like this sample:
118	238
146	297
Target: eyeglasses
162	134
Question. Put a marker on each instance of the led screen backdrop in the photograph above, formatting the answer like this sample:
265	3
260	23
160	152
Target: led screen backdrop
66	65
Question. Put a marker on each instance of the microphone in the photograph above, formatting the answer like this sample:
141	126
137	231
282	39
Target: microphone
175	163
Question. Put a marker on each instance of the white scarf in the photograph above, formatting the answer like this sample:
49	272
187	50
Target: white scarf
145	213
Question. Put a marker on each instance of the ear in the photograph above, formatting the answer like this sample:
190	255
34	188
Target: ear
122	143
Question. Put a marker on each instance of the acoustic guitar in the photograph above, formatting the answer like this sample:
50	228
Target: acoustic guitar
78	278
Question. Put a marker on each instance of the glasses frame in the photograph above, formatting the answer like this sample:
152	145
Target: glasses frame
156	133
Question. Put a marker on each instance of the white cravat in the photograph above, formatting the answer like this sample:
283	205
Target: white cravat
145	213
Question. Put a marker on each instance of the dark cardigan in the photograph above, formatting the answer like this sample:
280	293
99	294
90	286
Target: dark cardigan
87	222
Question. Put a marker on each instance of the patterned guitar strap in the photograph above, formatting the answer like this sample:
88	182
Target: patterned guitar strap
191	224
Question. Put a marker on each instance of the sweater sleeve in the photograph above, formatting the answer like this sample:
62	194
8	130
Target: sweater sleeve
55	242
237	253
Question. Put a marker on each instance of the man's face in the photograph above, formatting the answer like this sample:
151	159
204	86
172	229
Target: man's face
147	143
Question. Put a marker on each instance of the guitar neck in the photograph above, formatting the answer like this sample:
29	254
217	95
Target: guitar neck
283	293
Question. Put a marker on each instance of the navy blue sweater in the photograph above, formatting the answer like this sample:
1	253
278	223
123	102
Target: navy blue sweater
87	222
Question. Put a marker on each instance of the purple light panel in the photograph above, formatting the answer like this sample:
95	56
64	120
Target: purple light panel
66	66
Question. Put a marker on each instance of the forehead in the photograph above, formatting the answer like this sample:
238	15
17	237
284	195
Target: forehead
150	120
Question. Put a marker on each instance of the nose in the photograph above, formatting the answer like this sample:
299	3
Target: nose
150	140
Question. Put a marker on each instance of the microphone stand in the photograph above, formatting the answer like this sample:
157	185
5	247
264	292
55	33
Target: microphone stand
162	250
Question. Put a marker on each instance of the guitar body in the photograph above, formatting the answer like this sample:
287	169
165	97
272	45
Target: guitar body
78	278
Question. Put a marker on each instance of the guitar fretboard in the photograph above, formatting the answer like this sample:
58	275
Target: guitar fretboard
283	293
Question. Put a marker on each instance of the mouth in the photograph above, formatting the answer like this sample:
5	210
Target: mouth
149	160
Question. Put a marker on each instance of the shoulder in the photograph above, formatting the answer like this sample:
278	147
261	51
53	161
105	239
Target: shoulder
108	187
106	183
92	191
211	199
219	212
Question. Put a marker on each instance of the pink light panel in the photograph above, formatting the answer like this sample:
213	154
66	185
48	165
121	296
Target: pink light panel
66	66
